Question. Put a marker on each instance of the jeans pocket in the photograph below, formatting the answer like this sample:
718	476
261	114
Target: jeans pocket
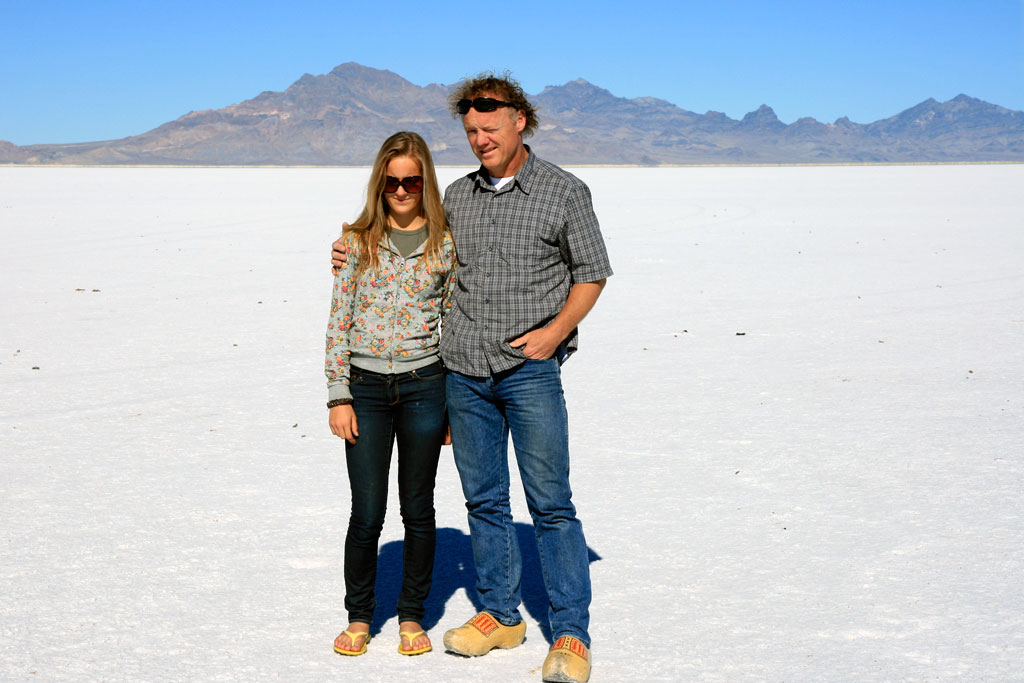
432	372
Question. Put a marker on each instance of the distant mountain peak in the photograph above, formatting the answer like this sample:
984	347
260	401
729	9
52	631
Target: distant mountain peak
350	68
578	95
762	118
579	86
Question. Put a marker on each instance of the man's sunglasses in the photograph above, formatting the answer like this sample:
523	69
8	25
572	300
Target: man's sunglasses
481	104
413	184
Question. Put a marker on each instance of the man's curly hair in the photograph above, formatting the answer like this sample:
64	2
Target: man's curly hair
504	87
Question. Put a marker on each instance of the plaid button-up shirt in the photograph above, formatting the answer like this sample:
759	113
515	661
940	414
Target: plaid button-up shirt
519	251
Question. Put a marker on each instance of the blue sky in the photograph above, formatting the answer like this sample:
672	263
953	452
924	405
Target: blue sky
75	71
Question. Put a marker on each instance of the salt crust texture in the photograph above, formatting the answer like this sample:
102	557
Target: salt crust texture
796	422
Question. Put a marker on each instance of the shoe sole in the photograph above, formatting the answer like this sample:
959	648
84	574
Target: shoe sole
468	654
451	650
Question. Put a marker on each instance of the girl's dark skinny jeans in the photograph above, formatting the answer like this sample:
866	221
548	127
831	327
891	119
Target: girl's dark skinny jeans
408	407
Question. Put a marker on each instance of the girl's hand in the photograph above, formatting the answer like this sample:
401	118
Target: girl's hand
343	423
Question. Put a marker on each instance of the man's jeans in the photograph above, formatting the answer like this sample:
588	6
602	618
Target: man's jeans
410	407
528	402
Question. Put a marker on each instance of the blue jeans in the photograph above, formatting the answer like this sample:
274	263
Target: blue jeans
527	402
409	406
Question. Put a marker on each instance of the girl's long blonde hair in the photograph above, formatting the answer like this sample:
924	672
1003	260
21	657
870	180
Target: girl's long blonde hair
372	224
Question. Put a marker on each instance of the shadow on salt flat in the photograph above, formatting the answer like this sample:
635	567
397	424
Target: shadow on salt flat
453	571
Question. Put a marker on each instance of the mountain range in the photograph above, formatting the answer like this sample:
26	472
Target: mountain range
340	118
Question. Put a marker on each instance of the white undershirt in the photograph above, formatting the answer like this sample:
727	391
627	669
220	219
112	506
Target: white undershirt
499	183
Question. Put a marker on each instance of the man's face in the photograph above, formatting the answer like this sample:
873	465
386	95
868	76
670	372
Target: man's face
496	138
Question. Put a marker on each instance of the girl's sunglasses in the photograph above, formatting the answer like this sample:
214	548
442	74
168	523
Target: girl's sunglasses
481	104
413	184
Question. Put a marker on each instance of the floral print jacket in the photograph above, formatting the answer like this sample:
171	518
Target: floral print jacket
387	321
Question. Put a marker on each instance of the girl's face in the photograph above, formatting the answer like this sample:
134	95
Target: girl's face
402	203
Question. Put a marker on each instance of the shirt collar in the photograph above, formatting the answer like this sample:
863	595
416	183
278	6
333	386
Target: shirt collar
522	177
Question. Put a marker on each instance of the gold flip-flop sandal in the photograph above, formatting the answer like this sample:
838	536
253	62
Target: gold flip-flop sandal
412	636
352	639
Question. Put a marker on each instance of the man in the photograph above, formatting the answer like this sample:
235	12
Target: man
531	265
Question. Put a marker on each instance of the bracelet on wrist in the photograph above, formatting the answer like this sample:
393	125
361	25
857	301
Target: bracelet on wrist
339	402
